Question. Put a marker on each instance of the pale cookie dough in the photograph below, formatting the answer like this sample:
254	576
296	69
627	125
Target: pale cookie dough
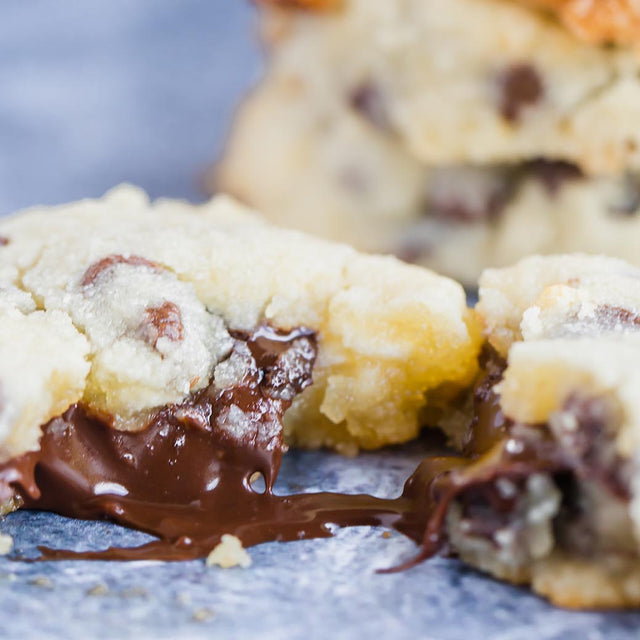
126	306
556	501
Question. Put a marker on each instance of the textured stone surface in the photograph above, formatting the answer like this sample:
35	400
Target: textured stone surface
141	90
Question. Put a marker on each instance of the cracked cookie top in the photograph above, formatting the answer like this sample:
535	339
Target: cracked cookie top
126	307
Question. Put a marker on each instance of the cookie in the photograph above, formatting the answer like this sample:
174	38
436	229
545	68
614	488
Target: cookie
148	303
550	494
407	130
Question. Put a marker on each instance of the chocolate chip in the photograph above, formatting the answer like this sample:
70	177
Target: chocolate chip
108	262
520	86
291	372
585	429
164	321
552	173
368	100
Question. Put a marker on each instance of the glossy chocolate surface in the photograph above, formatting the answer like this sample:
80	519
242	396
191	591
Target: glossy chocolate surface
186	478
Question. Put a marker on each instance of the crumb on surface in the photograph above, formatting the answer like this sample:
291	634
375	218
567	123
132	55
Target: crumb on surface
99	589
6	544
386	534
203	614
229	553
42	581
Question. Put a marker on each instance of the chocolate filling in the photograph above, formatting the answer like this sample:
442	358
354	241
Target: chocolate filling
498	449
186	478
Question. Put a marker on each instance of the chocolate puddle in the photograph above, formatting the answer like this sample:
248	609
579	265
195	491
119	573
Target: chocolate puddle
186	477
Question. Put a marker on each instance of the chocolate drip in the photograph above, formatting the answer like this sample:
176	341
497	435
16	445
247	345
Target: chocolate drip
186	477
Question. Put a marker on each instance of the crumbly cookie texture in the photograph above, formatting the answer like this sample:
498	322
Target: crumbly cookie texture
569	329
127	306
404	129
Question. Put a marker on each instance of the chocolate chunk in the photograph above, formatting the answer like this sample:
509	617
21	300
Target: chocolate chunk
368	100
585	429
98	268
552	173
520	87
164	321
489	424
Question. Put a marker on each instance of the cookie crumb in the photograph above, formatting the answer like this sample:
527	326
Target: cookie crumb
229	553
6	544
386	534
203	614
42	581
98	590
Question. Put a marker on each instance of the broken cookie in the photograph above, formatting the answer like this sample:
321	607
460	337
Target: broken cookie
547	493
149	354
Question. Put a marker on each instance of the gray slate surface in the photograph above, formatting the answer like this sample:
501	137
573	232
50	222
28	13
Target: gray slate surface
94	92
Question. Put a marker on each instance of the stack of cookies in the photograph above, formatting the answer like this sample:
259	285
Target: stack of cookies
456	134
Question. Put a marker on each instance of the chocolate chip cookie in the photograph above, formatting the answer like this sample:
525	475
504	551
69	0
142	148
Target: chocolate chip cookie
457	134
547	494
127	327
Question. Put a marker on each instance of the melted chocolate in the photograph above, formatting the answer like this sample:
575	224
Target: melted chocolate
498	449
97	269
186	477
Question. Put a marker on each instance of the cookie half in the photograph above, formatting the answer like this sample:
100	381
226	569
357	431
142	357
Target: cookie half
131	314
549	496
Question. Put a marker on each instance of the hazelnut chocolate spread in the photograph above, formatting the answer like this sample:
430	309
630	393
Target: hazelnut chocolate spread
186	477
497	449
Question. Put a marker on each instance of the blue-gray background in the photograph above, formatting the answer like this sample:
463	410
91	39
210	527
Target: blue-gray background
95	92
